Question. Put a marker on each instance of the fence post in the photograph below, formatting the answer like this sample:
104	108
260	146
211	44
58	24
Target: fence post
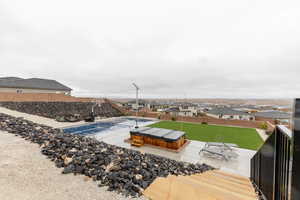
295	154
275	164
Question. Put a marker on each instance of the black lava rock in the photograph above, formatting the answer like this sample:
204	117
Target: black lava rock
63	111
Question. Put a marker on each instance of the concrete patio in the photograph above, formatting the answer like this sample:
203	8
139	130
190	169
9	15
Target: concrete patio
190	153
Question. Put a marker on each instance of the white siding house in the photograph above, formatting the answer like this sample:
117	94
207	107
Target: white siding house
227	113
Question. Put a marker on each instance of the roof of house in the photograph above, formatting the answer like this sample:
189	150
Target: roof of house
141	101
11	78
226	111
32	83
273	114
183	104
172	109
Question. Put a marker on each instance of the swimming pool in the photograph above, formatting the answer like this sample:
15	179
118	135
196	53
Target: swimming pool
96	127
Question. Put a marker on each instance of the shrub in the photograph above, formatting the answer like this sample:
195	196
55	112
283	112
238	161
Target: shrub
201	114
263	126
204	123
173	118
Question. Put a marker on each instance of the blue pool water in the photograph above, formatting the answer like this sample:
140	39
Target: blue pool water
103	126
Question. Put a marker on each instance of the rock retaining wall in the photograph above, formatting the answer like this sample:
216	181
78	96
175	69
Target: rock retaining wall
54	109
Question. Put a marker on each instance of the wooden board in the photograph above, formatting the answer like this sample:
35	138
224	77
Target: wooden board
203	186
159	142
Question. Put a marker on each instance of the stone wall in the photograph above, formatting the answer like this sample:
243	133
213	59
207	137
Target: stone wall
54	109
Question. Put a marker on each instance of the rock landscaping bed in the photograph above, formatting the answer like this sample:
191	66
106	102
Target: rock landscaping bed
63	110
123	170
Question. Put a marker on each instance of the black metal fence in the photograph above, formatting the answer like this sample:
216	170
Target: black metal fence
275	168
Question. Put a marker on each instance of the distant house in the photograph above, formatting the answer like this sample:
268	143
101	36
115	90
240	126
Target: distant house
176	111
157	107
131	105
186	113
228	113
32	85
273	115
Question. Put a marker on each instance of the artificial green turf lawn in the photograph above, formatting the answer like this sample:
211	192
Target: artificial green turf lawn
246	138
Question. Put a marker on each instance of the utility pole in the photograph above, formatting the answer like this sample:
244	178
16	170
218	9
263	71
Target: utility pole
137	104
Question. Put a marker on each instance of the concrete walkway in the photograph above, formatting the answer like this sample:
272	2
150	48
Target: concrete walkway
25	174
262	134
38	119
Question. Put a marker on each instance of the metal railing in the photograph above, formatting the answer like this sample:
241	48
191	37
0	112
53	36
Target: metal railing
270	166
275	168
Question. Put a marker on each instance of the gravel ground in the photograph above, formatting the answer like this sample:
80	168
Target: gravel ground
28	175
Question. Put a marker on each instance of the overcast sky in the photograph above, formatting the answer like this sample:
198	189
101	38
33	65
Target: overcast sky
179	49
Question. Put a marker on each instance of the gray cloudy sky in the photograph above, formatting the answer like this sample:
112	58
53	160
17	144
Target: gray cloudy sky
182	49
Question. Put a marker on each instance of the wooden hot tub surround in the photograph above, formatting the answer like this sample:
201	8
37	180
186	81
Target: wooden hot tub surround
165	138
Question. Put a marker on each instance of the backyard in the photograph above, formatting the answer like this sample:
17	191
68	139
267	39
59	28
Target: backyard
244	137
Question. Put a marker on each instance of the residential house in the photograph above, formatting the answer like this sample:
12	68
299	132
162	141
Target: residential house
228	113
272	115
32	85
157	107
176	111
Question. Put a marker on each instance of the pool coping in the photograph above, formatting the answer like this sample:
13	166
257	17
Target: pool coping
104	120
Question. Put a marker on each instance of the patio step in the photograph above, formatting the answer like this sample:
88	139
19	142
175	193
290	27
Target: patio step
211	185
234	176
216	179
229	177
222	185
137	143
